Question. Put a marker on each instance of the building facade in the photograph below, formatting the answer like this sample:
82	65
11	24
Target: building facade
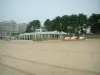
8	27
22	27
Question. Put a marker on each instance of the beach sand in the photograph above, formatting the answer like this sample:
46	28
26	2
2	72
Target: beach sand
52	57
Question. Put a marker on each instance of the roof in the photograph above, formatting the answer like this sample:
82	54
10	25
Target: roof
50	32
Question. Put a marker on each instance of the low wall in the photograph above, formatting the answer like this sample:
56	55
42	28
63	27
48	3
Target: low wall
93	36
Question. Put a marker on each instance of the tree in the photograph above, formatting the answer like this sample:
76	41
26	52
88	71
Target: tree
94	23
73	22
82	23
35	24
56	24
29	28
47	24
65	23
95	28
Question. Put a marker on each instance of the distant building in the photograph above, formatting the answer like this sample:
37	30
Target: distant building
8	27
41	30
22	27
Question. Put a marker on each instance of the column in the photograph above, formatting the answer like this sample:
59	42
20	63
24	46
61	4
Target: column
41	36
35	36
54	36
48	36
23	37
29	37
32	37
19	37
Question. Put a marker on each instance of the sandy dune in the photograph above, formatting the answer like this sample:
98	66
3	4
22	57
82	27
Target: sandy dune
50	57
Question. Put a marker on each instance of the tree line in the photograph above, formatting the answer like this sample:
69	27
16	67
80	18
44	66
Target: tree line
69	23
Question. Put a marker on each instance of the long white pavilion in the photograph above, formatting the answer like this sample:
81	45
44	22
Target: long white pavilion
42	35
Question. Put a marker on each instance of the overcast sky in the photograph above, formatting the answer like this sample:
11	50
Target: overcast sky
28	10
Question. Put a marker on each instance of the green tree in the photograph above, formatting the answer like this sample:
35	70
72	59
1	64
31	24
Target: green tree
94	23
35	24
65	23
73	22
56	24
47	24
68	23
82	23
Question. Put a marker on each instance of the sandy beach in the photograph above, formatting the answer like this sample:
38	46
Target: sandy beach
52	57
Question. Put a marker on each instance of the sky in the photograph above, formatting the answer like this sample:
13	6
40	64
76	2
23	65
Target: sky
27	10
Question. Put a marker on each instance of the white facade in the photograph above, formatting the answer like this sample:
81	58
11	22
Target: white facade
8	27
22	27
42	35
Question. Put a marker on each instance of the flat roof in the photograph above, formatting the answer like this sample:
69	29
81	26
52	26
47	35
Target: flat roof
54	32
